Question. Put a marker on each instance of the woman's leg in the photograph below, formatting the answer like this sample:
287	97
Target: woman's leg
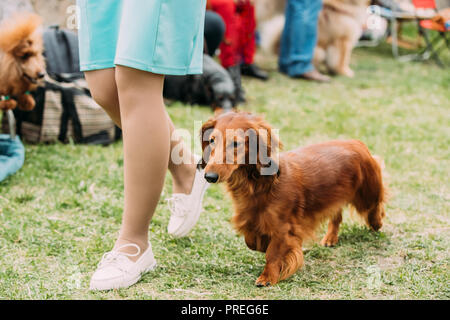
247	40
228	49
247	30
146	137
102	84
182	174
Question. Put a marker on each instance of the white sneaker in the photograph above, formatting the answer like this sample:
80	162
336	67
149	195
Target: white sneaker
117	271
185	208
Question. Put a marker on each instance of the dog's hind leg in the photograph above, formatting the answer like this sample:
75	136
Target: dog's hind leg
371	197
331	238
332	58
345	47
375	217
319	56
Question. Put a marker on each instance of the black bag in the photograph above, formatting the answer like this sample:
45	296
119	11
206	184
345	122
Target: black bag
214	87
61	52
64	108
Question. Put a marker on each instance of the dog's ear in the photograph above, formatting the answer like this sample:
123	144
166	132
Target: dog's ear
268	147
269	137
22	50
205	135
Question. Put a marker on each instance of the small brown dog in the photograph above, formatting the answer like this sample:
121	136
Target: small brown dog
22	65
340	27
277	210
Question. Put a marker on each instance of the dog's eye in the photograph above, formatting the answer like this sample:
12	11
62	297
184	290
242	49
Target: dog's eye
212	141
26	56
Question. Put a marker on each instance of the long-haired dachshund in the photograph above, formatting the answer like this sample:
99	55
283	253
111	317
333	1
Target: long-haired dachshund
280	199
22	64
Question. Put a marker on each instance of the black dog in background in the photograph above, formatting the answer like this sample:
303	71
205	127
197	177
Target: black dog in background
214	87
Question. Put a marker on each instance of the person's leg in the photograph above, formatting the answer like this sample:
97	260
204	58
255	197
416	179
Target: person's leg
247	40
214	31
183	174
228	49
146	139
299	37
102	84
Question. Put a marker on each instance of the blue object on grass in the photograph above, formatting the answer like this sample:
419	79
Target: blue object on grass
12	155
12	151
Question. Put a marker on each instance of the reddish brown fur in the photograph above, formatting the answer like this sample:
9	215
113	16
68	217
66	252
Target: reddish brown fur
21	61
277	213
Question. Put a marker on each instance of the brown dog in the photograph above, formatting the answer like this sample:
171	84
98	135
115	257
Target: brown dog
22	64
280	200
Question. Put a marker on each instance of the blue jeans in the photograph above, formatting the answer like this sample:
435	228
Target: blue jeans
299	36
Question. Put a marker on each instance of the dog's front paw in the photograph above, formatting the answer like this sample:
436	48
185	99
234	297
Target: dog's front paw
265	281
330	240
9	104
26	102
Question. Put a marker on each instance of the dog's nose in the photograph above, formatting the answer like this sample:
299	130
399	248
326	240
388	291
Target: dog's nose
211	177
41	75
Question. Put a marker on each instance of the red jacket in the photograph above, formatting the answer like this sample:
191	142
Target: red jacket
239	44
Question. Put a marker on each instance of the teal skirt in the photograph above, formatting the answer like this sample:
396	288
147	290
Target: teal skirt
158	36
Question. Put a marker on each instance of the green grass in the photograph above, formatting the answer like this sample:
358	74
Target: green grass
62	211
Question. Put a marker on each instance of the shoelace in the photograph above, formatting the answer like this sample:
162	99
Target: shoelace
114	257
176	206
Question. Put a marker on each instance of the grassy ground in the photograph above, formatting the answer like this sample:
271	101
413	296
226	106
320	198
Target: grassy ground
62	211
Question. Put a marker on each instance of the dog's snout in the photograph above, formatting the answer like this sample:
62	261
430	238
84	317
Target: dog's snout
41	75
212	177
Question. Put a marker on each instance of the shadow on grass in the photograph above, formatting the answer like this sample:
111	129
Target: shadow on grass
356	234
354	241
202	264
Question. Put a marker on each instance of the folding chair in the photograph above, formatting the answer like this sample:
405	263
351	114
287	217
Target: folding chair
434	46
424	11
